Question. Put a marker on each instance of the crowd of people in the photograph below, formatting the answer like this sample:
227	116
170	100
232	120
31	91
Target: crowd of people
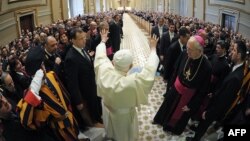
206	68
48	85
65	77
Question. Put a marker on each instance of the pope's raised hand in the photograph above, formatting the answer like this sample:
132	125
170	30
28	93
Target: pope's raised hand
104	35
153	41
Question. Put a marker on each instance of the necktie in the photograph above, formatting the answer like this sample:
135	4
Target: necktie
184	48
86	55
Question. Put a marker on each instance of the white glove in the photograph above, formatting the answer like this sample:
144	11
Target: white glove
36	82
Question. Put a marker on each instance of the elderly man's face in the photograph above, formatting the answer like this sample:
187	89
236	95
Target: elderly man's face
5	107
192	51
9	84
93	25
51	46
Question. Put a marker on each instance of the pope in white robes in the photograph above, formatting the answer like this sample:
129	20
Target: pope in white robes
121	92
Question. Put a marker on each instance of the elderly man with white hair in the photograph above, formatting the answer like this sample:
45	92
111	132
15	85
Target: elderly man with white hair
189	86
122	92
228	98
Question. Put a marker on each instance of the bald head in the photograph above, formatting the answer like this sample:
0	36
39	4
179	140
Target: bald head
8	82
93	25
50	44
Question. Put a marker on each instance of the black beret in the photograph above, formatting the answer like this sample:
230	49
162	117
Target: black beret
34	59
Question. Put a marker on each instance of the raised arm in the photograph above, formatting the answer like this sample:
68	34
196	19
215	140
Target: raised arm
101	55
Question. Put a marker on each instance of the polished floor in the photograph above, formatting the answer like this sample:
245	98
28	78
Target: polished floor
136	39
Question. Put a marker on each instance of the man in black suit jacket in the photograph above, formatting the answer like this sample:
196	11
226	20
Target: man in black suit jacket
52	60
173	52
158	30
80	76
167	39
227	93
115	33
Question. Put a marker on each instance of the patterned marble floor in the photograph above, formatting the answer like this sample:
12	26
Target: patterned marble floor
136	39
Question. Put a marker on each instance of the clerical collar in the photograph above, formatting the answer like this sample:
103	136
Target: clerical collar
236	66
48	52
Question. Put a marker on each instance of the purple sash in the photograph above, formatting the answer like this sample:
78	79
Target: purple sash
185	96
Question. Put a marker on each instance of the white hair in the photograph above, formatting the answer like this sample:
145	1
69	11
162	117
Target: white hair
197	45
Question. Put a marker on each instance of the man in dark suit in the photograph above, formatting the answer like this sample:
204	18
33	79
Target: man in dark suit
220	69
227	93
115	33
20	77
92	38
167	39
9	88
158	30
80	76
52	61
121	24
173	52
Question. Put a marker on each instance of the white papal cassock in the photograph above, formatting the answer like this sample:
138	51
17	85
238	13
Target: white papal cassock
122	93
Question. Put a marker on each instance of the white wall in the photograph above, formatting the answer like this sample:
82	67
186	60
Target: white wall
244	24
153	5
213	14
174	6
8	17
160	5
184	8
98	6
76	7
199	9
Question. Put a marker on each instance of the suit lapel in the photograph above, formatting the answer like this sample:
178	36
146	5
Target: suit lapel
169	37
81	56
178	47
157	31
